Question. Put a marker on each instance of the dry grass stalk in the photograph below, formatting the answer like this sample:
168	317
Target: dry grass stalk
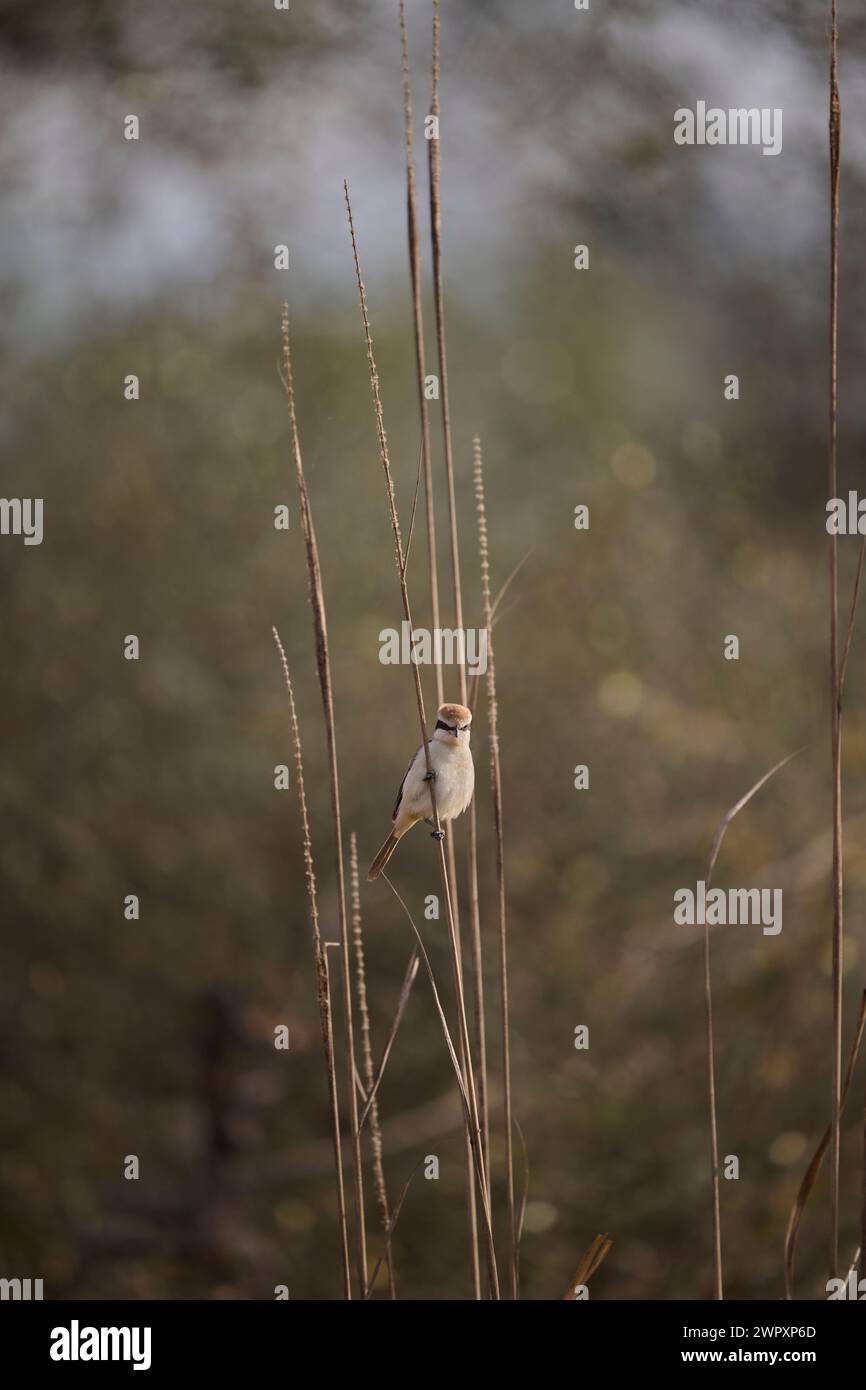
458	1070
860	1259
405	991
367	1060
435	167
418	323
323	986
473	1127
835	688
718	1291
469	1112
394	1219
811	1175
524	1198
852	615
323	665
435	173
496	787
479	1016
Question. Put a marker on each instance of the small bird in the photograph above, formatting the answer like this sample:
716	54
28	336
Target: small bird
454	781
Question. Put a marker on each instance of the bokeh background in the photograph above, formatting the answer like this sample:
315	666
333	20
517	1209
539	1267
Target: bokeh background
603	387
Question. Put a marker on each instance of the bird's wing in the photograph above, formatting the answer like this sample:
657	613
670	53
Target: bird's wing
403	783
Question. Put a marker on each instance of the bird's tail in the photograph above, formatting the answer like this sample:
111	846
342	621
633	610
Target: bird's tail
383	856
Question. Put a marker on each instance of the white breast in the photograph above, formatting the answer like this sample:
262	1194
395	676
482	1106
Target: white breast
455	781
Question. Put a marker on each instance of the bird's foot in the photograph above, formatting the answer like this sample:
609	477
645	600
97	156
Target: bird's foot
437	834
430	776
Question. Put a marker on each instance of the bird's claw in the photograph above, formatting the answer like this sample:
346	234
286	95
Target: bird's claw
430	776
437	834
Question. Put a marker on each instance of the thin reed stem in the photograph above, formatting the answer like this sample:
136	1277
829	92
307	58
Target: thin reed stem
835	684
718	1290
406	990
496	787
323	983
323	665
367	1059
814	1168
394	1219
418	324
435	173
435	167
463	1032
721	829
861	1260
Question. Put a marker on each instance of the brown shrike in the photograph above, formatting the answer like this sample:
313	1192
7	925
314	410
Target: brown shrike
454	781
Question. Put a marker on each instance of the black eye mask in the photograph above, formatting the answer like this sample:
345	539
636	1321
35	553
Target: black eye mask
440	724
